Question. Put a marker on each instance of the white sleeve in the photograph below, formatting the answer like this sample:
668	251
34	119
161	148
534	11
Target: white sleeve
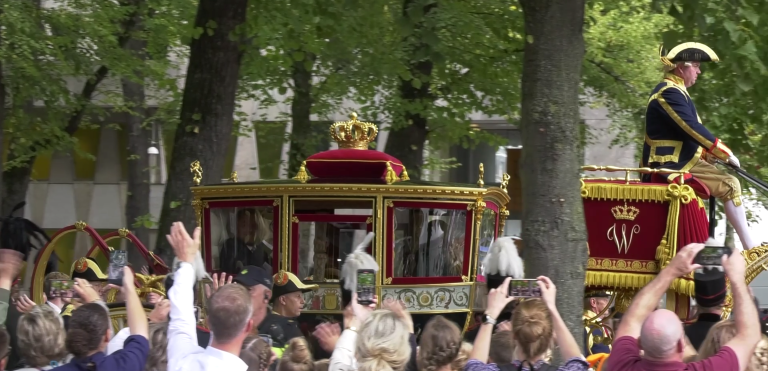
116	343
182	329
343	358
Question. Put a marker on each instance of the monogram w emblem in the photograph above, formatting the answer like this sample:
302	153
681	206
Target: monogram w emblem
623	240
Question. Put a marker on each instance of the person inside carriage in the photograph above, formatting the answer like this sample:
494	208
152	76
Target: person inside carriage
676	139
247	246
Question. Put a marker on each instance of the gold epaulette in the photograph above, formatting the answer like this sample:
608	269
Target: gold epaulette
67	310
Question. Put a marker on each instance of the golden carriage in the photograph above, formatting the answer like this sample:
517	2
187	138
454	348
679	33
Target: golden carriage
429	236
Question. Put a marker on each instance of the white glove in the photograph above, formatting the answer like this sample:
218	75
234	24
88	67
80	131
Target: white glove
734	161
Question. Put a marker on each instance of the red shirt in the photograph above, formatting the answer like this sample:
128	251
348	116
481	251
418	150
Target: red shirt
625	356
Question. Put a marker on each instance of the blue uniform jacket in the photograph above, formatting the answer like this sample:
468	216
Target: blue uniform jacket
597	347
675	138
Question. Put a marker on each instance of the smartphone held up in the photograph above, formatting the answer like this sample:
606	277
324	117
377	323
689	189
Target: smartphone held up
525	288
711	257
117	261
366	286
64	289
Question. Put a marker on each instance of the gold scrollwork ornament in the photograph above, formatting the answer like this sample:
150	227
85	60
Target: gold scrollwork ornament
197	172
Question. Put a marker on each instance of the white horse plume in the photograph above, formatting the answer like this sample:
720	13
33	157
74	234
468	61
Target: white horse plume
503	259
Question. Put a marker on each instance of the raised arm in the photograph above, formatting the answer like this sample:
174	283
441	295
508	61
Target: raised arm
744	311
137	318
648	298
10	265
182	331
569	348
675	103
497	301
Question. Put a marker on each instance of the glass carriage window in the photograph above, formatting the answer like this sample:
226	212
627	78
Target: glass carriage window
324	232
487	237
429	242
241	236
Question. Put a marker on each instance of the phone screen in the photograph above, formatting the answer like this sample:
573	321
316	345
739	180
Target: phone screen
524	289
711	256
62	289
365	286
117	261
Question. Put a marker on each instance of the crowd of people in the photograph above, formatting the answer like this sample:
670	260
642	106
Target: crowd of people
243	333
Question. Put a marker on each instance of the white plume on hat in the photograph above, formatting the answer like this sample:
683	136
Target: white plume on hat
358	259
502	259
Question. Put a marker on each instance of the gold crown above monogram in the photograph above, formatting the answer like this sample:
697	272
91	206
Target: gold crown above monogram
625	212
353	134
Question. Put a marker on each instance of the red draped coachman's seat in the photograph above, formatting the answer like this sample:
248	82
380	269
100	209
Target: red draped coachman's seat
634	230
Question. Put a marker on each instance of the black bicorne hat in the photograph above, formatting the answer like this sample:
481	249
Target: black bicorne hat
87	269
286	282
687	52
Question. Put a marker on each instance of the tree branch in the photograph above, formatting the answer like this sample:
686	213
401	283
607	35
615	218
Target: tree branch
614	75
101	73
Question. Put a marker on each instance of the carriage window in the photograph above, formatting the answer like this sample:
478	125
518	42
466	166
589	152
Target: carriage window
324	232
323	246
241	236
429	242
487	237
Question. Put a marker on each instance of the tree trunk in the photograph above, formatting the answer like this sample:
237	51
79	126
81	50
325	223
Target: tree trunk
303	142
553	215
207	111
406	143
3	116
137	202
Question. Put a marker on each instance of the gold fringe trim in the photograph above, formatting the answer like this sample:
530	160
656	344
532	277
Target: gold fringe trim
621	280
624	192
618	280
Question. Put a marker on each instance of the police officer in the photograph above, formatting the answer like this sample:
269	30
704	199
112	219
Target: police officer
710	297
287	302
259	284
595	302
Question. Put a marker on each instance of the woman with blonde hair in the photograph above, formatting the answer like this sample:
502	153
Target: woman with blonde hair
535	324
41	338
439	346
374	340
296	357
723	332
157	360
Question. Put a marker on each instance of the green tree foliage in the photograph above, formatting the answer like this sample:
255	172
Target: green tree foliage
732	95
46	51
